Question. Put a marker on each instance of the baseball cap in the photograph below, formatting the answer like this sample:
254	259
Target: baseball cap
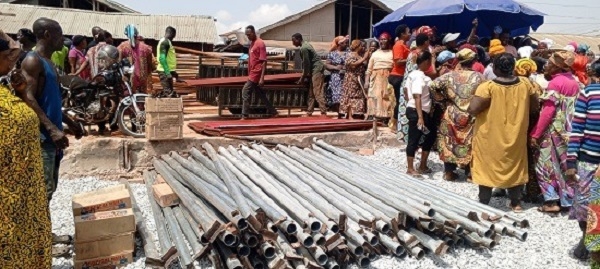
450	37
445	56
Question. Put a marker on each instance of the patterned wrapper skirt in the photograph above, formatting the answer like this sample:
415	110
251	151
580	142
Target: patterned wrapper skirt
382	101
586	206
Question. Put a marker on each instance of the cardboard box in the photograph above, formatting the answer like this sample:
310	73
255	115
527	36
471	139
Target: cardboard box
167	132
107	199
102	225
164	118
164	195
164	105
114	261
123	243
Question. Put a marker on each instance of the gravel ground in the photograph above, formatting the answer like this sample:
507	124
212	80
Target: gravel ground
548	246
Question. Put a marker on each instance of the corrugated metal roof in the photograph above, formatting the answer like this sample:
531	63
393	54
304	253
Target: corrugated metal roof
297	16
561	40
196	29
109	3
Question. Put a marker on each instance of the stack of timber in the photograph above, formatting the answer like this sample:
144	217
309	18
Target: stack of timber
253	207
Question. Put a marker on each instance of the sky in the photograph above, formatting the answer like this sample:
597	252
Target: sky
569	17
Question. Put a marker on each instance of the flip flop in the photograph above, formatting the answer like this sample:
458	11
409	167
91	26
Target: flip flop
426	171
516	209
544	209
454	177
415	174
61	239
60	251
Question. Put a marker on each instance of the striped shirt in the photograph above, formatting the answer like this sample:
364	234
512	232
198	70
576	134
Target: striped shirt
584	140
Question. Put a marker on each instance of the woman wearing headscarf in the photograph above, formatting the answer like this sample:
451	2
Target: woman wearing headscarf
583	169
381	99
77	56
455	133
140	55
496	49
335	64
353	96
550	133
501	107
526	68
477	66
579	68
25	229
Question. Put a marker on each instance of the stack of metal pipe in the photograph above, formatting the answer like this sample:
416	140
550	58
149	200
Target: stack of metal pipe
287	207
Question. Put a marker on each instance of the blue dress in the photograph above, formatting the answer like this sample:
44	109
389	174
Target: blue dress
333	94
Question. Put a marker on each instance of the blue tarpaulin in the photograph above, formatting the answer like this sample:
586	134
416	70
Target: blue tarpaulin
455	16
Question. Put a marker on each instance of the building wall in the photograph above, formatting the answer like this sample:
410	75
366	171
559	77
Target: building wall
317	26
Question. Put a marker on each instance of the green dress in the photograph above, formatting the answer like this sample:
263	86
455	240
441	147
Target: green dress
25	229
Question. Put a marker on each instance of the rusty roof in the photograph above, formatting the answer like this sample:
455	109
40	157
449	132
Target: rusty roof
196	29
561	40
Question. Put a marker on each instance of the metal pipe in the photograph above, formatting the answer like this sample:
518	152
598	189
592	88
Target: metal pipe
484	241
371	238
408	239
521	235
394	247
164	240
243	250
267	250
225	175
257	263
250	239
399	178
187	230
231	260
148	238
319	255
228	238
417	253
436	246
332	264
355	249
195	226
177	235
319	239
305	239
382	227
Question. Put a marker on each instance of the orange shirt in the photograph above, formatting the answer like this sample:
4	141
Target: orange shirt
400	51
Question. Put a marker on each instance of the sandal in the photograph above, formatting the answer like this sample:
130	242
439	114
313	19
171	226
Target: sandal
549	209
415	174
60	251
425	171
61	239
453	176
516	209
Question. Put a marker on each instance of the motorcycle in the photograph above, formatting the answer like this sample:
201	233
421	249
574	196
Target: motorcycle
108	98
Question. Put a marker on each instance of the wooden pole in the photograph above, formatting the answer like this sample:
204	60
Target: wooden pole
371	24
350	22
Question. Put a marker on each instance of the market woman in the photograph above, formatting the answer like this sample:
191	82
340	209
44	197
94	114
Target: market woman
353	100
25	230
335	64
381	99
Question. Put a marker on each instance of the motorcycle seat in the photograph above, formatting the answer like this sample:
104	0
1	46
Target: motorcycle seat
75	83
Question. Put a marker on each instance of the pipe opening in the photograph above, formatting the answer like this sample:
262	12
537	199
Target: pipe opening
243	251
504	231
492	244
321	240
293	239
335	229
459	242
460	230
252	241
291	228
322	259
374	241
274	229
229	239
488	233
364	262
359	251
385	228
430	225
418	253
431	212
242	224
399	251
269	252
404	255
372	256
315	226
308	242
449	243
204	240
524	236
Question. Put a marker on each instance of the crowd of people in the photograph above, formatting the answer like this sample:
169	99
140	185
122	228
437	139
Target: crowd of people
31	123
517	115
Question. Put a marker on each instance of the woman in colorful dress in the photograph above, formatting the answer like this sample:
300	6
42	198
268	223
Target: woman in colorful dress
527	68
25	229
550	133
455	133
77	56
353	99
381	100
335	64
583	169
140	55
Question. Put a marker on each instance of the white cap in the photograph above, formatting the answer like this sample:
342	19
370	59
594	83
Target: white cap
450	37
569	48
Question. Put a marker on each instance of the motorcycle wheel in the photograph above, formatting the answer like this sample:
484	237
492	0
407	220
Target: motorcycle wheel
131	124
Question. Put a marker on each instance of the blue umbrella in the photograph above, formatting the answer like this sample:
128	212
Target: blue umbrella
455	16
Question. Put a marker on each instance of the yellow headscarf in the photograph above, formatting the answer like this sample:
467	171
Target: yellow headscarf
525	67
496	47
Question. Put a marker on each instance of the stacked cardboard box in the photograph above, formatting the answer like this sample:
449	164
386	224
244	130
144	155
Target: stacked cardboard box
164	119
104	228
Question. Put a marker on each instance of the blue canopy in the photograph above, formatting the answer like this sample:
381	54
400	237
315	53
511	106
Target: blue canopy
455	16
